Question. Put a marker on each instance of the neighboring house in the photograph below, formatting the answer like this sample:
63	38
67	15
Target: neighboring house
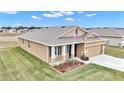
115	36
56	44
4	30
20	30
12	31
1	30
122	44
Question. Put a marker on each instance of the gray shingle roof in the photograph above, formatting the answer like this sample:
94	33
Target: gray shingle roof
48	36
113	32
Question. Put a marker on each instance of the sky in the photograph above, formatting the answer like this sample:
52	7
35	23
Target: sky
84	19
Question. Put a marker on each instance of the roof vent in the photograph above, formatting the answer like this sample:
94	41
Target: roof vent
63	26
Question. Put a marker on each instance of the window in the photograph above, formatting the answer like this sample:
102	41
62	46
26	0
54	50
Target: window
58	50
23	41
76	32
28	44
49	51
68	48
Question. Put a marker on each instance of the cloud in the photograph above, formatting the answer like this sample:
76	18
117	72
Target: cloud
57	14
53	14
67	12
35	17
69	19
47	25
80	12
90	15
9	12
17	24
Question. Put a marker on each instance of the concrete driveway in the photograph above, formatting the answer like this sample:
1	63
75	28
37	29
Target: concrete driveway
109	61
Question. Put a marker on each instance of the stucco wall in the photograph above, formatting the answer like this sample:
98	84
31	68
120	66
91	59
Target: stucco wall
36	49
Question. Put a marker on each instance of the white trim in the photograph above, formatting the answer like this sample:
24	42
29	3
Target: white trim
85	52
96	40
84	47
80	42
47	55
82	29
73	50
92	34
64	52
112	36
94	45
103	49
34	41
53	53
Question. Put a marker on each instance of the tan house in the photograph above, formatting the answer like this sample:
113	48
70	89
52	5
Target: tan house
55	44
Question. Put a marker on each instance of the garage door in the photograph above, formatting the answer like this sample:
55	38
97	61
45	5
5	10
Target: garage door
94	50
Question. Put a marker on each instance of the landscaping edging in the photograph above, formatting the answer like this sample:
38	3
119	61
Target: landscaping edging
69	70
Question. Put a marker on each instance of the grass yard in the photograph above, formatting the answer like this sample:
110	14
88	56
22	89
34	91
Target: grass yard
8	44
115	51
17	64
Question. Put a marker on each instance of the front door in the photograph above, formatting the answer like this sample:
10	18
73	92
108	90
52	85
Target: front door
75	50
69	48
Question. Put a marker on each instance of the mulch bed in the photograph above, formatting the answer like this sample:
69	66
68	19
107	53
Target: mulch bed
68	66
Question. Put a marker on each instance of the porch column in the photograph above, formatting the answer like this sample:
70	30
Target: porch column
73	50
64	52
53	53
103	49
85	50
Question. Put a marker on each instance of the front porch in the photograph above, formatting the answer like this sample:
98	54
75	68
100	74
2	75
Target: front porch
59	54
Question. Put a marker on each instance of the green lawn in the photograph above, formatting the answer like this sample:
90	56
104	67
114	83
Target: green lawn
16	64
115	51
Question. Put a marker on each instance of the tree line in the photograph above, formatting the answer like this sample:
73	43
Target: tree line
20	27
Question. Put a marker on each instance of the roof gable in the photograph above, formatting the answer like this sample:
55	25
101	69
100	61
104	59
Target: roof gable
70	32
91	35
77	30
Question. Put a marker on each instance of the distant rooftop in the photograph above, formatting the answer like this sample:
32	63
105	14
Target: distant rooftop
107	31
